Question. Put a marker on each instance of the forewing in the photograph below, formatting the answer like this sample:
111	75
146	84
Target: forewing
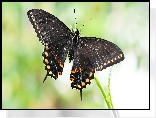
47	26
100	53
56	38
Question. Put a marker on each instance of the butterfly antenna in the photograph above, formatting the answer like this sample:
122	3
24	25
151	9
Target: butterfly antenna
85	24
81	94
75	20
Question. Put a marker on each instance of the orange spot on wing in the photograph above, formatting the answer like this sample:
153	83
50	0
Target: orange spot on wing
72	79
61	65
46	47
73	71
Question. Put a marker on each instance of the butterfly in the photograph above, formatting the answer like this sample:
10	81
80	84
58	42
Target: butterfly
89	54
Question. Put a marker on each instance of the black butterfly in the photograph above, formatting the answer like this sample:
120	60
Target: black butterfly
90	54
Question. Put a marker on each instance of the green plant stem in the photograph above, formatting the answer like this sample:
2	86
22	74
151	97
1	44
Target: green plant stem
108	90
107	96
103	93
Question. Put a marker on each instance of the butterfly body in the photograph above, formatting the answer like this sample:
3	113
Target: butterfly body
89	54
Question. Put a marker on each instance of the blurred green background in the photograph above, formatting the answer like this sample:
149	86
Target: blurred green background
125	24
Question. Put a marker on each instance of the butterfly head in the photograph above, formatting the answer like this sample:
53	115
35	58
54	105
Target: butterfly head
76	33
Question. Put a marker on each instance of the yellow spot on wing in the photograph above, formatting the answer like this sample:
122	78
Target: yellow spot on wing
50	72
120	55
46	53
90	74
87	80
46	60
48	67
83	84
79	86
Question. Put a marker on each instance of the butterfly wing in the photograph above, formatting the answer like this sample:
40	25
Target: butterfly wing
47	26
56	38
100	52
54	58
92	54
